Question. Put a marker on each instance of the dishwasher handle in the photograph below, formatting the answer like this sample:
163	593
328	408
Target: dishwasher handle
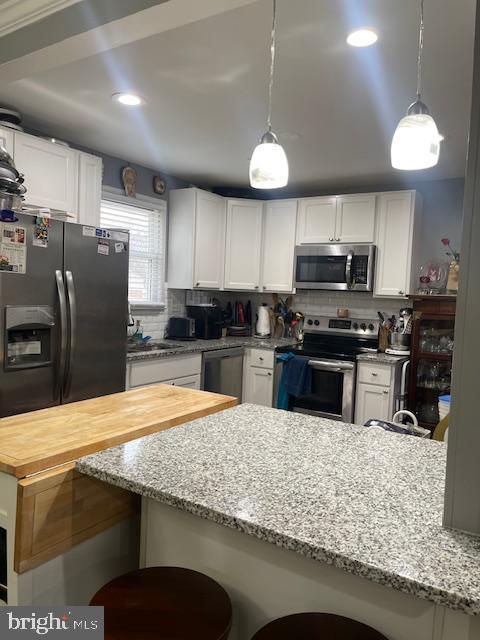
229	352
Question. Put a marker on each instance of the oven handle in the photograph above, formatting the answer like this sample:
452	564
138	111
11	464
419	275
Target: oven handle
348	269
331	365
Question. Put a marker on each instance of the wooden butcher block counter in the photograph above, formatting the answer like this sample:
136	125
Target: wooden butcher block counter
57	507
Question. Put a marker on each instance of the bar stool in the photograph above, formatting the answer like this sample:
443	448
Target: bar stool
164	602
316	626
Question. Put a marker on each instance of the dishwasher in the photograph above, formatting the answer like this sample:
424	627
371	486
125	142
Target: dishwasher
222	371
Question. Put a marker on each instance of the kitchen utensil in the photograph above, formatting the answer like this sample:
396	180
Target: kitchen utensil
280	327
399	341
7	171
10	201
262	327
9	115
7	184
5	156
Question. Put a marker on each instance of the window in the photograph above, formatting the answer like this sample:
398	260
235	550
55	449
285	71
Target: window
146	280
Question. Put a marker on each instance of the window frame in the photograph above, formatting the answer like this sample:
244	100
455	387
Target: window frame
116	196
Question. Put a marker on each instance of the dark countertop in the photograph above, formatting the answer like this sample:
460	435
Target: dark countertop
364	500
199	346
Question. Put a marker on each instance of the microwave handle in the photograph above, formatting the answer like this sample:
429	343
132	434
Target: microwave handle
348	269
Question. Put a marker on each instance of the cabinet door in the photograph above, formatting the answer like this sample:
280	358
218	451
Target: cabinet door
394	243
372	401
280	219
355	218
6	140
243	244
50	172
209	241
90	170
259	386
316	220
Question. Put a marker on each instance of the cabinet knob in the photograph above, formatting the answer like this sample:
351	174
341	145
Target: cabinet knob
374	374
264	287
256	286
261	359
337	239
401	293
385	393
331	239
269	373
197	284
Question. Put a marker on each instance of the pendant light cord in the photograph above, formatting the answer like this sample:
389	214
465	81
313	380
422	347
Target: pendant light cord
272	65
420	53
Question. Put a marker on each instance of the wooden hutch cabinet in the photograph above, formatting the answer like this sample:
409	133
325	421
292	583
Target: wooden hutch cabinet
431	355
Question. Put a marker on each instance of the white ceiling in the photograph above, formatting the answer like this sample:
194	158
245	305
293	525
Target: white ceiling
335	107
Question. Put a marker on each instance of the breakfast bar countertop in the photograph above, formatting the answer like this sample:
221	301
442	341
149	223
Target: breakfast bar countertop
366	501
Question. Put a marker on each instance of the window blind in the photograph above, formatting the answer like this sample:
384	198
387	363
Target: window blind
146	280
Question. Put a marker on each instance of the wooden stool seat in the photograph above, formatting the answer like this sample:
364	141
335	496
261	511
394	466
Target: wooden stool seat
316	626
164	602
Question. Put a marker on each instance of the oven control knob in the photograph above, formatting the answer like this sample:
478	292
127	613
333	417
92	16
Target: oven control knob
310	322
371	327
355	326
363	326
316	323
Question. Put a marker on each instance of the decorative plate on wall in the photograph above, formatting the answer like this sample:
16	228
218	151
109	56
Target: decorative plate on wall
159	185
129	179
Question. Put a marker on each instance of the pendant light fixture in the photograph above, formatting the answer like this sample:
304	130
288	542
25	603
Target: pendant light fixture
269	164
416	142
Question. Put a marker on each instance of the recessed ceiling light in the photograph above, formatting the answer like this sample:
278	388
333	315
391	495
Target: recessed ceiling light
362	38
130	99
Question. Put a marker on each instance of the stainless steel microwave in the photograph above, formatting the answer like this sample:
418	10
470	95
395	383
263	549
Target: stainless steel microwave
337	267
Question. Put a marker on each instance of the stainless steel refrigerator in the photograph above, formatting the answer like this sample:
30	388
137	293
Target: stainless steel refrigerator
63	313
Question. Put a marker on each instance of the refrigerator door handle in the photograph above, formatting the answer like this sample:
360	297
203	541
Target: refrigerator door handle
62	299
72	304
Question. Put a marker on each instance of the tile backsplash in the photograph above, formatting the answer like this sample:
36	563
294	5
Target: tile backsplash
362	305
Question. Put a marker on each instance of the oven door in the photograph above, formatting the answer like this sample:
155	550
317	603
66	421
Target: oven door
332	390
323	267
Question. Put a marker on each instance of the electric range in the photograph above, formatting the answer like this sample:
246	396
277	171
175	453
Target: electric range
331	346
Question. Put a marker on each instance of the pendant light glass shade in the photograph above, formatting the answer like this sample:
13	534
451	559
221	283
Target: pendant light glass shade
268	164
416	141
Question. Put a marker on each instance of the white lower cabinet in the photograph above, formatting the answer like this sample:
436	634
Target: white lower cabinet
258	370
183	371
378	387
372	402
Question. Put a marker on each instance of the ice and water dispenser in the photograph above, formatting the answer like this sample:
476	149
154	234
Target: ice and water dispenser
28	337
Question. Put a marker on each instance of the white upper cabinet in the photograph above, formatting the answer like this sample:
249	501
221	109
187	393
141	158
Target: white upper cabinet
196	242
51	174
397	244
6	140
243	244
316	220
90	173
355	218
280	219
209	241
349	219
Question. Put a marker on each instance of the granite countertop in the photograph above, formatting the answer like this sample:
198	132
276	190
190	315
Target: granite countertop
198	346
366	501
381	358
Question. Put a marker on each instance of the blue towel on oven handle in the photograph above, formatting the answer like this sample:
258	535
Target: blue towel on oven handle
296	379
